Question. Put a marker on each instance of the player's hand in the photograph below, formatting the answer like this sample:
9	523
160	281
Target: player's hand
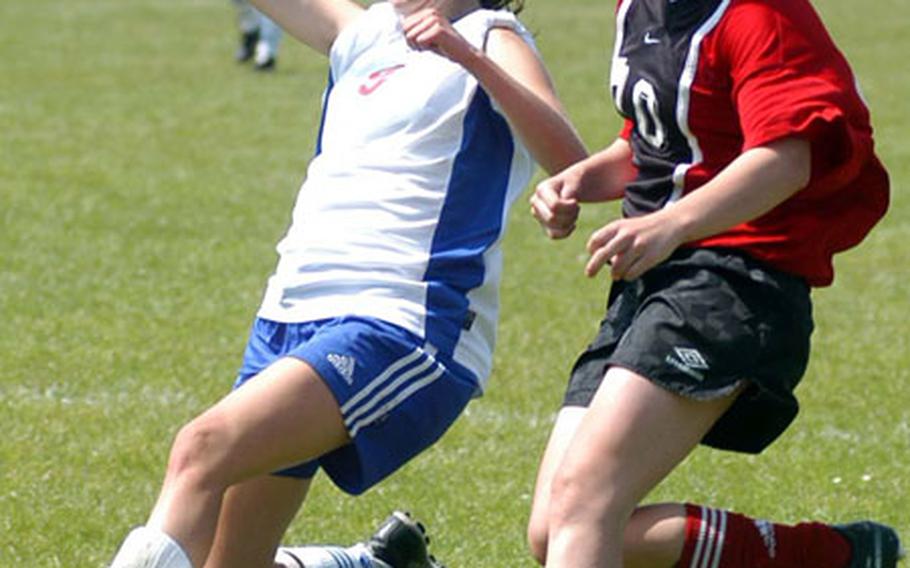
428	29
633	246
554	203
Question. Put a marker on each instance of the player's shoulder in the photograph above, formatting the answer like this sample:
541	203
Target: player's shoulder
752	27
375	18
484	19
488	27
776	12
373	23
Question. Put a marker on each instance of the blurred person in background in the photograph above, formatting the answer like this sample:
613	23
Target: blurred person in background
259	37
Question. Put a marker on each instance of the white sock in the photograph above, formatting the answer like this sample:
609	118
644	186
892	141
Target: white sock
263	52
355	556
150	548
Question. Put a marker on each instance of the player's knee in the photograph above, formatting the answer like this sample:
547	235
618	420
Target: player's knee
197	450
537	537
567	497
575	502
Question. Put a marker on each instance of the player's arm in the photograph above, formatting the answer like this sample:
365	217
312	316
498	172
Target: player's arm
757	181
601	177
525	92
314	22
528	98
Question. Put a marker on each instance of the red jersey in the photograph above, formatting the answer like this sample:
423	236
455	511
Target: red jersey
701	81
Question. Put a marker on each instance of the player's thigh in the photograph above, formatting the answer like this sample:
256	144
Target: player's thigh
254	516
634	433
283	416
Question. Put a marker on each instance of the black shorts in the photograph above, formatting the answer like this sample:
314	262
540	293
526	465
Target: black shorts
700	325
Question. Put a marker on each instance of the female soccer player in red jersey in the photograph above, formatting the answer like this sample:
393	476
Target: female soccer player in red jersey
745	164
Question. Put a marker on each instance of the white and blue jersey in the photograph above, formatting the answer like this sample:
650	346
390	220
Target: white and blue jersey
404	206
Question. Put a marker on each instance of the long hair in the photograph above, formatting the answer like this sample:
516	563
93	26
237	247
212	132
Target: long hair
514	6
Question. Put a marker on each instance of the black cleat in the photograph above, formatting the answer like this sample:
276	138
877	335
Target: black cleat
874	545
401	542
267	64
247	47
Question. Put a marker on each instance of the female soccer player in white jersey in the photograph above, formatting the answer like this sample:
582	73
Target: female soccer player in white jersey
378	324
745	164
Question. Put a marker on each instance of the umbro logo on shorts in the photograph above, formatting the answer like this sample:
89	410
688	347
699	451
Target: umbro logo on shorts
691	358
344	364
689	361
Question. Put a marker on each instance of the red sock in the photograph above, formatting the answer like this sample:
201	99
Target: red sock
721	539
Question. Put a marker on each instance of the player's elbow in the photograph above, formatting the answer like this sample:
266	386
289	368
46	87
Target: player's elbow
794	157
562	155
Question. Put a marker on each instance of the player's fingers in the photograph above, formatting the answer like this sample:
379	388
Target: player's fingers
409	22
416	30
566	211
647	259
548	191
555	226
557	232
540	209
598	259
426	36
422	15
547	195
601	237
621	262
614	246
636	268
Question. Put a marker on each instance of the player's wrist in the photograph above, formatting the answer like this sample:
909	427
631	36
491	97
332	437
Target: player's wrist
681	223
473	60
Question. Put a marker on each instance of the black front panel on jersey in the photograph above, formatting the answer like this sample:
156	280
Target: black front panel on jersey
647	70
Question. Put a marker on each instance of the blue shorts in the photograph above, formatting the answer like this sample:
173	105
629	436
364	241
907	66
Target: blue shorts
396	397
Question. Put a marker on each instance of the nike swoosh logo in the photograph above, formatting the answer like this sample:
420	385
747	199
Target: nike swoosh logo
650	40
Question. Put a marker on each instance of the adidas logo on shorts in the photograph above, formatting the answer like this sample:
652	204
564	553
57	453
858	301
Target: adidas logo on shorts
344	364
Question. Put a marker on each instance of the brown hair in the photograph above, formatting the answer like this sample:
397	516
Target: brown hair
514	6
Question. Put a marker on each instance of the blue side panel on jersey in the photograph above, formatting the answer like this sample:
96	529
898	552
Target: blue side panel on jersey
470	221
325	106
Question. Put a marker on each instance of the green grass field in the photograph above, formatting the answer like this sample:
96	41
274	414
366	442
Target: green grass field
144	180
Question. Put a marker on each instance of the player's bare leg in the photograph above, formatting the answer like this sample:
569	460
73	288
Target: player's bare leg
561	436
655	536
655	533
254	517
283	416
632	436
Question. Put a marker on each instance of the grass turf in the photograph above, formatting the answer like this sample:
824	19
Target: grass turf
144	179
